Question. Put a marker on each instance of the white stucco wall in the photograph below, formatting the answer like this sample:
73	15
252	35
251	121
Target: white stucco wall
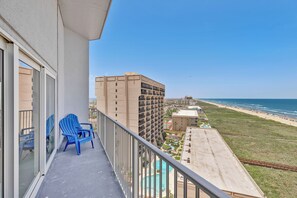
33	23
38	26
76	70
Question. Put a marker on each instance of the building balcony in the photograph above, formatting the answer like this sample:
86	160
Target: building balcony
141	98
142	134
104	172
141	122
91	171
143	91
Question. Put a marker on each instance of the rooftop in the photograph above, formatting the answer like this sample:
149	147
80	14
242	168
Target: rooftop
185	113
212	159
194	107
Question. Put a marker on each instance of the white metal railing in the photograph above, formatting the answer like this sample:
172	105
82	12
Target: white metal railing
145	171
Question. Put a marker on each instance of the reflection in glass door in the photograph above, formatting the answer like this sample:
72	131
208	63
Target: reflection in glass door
29	125
50	116
1	123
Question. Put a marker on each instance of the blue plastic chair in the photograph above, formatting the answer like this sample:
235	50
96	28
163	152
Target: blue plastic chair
50	125
26	140
79	125
74	135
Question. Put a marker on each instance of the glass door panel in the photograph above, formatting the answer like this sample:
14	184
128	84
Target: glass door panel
50	116
29	125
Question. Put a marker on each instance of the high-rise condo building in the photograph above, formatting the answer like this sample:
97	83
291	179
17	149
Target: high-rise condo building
135	101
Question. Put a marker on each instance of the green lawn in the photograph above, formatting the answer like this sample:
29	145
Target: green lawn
259	139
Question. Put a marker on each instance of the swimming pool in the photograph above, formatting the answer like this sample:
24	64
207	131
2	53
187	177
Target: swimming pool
148	178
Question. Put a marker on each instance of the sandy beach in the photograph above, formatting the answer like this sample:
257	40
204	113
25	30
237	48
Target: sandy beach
284	120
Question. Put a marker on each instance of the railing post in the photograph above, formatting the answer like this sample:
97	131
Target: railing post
98	124
114	143
135	161
104	132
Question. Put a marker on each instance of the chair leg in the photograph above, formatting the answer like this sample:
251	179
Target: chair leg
77	145
92	143
65	146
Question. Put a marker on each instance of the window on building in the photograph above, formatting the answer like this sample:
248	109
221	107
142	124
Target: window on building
116	90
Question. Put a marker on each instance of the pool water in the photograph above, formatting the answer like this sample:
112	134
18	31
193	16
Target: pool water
148	178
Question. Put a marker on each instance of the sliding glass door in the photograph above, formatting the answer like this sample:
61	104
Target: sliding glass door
29	125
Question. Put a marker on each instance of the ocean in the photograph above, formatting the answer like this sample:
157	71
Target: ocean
281	107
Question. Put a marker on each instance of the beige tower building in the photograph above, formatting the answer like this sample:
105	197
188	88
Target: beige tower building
135	101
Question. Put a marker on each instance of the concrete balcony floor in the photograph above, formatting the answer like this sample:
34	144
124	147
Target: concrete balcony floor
88	175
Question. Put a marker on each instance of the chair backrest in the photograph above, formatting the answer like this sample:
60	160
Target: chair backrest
50	124
74	118
67	126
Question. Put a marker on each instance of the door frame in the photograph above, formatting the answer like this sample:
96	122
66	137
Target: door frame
28	60
49	162
3	48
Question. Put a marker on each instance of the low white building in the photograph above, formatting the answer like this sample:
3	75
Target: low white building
184	118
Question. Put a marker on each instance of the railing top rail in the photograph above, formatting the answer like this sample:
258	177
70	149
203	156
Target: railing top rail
203	184
25	110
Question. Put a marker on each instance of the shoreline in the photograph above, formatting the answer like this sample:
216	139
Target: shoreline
284	120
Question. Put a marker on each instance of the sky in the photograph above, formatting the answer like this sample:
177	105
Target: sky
202	48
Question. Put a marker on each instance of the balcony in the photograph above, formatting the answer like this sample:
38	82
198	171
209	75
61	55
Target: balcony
143	91
87	175
122	165
141	98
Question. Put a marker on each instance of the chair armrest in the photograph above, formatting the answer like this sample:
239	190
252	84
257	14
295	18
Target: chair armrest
25	129
27	140
89	124
84	131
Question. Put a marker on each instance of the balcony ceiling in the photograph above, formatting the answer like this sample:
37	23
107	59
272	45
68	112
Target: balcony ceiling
86	18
